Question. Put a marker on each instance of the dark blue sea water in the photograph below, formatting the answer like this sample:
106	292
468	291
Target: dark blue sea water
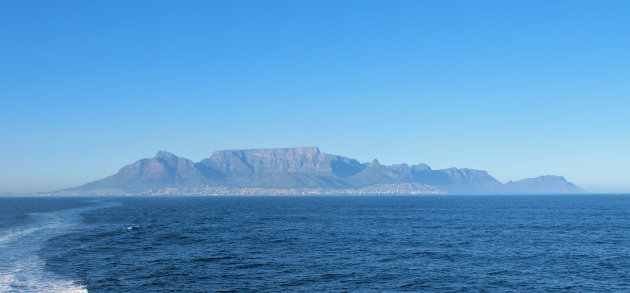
345	244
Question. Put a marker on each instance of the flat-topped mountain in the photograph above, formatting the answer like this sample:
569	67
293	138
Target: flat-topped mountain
256	164
307	167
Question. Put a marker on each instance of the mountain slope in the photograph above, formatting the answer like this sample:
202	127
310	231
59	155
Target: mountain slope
466	181
375	173
163	170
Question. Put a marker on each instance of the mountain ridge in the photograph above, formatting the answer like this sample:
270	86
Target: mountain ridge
307	167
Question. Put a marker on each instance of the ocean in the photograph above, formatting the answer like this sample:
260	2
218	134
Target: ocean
568	243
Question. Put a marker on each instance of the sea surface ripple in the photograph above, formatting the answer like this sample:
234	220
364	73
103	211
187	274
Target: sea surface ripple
348	244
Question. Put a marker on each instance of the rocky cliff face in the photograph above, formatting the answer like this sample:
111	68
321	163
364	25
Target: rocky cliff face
272	161
307	167
256	164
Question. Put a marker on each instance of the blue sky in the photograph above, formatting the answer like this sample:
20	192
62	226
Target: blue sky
517	88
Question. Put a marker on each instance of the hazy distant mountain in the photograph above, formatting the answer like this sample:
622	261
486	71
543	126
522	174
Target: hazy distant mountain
163	170
542	185
307	167
282	167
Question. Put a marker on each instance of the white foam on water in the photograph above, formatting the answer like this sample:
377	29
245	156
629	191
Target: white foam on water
28	275
15	235
21	269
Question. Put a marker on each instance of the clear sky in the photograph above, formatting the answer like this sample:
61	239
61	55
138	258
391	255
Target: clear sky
517	88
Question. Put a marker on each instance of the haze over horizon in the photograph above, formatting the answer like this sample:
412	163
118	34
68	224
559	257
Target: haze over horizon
519	89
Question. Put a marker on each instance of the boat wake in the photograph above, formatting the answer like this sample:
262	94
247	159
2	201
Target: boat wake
21	268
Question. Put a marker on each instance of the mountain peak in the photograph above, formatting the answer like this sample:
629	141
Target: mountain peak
164	155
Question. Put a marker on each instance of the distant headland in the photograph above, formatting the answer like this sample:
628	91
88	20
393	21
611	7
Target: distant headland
303	170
